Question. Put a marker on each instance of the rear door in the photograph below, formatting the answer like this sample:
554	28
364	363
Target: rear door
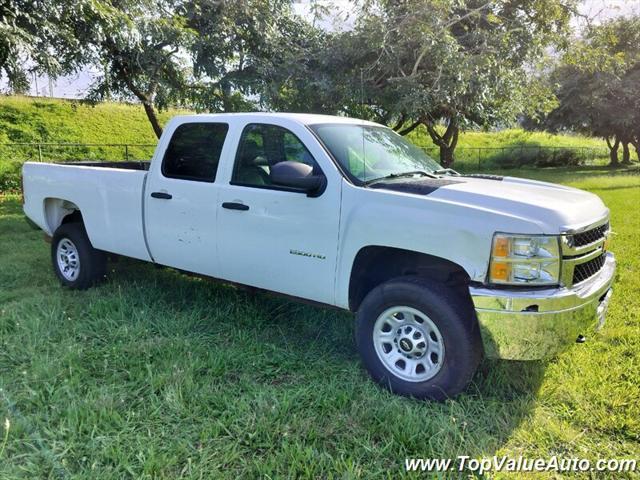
180	198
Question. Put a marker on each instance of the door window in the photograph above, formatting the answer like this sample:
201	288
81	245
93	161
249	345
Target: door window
194	151
262	146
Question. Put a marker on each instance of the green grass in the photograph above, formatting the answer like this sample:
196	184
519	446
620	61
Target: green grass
512	137
27	119
517	147
155	374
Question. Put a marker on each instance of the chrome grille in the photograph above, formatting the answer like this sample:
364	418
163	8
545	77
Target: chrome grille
584	253
583	271
590	236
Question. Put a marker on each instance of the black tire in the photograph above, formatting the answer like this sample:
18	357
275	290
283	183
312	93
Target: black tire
452	313
92	263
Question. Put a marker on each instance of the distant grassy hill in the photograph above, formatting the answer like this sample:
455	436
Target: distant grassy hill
26	119
29	120
513	137
513	148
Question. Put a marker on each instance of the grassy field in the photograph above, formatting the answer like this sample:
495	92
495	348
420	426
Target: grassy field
517	148
158	375
28	119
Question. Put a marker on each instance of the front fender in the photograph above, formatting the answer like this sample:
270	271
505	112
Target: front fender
441	228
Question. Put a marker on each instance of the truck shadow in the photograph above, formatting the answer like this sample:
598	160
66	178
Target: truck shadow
285	335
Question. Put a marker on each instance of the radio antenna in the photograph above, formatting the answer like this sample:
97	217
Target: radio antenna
364	166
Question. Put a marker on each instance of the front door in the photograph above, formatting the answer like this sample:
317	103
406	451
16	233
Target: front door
271	237
181	199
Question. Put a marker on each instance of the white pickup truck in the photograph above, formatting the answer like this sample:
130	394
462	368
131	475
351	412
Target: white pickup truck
440	268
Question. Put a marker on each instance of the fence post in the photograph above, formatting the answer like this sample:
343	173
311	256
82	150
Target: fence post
126	153
40	152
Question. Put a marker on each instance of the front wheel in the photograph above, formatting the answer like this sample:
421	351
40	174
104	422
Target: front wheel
419	338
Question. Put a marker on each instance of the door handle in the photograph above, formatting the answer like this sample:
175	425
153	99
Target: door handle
235	206
162	195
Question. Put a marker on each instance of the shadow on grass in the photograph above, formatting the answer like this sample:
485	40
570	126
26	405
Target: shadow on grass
501	396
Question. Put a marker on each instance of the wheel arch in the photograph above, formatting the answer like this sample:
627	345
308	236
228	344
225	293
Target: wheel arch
58	211
374	265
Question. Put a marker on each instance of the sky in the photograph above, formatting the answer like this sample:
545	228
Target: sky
76	86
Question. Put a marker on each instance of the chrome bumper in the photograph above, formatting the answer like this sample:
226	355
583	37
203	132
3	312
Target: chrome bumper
535	324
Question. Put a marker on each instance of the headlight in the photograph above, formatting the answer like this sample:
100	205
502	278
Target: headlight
525	260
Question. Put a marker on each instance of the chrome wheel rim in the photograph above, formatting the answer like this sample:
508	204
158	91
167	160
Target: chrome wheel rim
68	259
408	344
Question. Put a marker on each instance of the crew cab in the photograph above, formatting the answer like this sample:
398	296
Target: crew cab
440	268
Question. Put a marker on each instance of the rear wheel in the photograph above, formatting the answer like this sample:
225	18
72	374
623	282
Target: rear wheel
76	263
419	338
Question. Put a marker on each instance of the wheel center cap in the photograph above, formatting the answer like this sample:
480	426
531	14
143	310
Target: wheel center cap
406	345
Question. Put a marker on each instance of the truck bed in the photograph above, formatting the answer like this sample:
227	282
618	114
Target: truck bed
109	195
130	165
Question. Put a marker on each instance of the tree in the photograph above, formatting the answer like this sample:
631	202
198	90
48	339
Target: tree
34	37
196	53
598	87
140	46
301	69
234	41
452	65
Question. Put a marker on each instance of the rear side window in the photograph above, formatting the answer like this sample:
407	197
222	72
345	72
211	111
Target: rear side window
194	151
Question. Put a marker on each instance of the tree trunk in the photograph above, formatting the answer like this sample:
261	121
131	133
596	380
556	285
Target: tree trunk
447	142
636	146
146	98
613	151
626	154
446	156
153	118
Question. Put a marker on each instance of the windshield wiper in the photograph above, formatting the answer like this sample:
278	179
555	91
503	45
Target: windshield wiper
445	171
400	175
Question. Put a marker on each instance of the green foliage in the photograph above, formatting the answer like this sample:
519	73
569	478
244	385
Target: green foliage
140	46
155	374
598	86
234	41
194	53
302	70
35	33
463	64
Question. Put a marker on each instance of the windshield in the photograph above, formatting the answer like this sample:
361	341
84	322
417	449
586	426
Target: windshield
369	153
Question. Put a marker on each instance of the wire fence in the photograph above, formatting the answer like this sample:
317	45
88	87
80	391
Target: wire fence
519	156
61	152
469	157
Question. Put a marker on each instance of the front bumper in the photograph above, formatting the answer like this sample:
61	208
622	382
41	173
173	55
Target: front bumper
535	324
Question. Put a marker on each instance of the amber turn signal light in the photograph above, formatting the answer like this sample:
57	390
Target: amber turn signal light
500	271
501	247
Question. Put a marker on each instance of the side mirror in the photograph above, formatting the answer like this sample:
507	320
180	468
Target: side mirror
297	175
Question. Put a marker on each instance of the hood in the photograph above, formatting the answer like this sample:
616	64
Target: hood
554	208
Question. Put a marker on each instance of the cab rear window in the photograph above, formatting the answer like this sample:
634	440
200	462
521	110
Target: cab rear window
194	151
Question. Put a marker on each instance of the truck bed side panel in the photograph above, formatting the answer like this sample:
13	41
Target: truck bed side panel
110	200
